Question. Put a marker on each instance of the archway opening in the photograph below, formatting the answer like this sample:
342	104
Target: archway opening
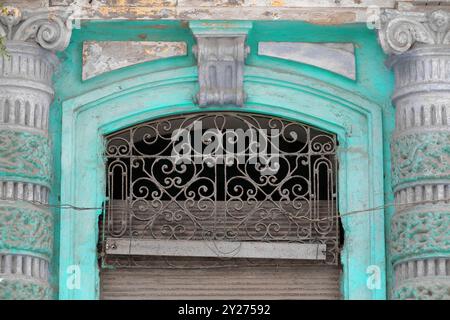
220	205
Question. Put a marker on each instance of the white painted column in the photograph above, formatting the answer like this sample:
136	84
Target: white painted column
26	92
419	48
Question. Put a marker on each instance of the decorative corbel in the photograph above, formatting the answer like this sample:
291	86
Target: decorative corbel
220	53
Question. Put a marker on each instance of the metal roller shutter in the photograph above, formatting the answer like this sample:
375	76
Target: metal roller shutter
245	282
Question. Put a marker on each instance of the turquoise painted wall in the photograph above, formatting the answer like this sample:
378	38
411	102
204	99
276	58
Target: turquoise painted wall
374	81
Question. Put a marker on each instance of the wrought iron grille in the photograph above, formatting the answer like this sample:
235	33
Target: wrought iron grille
225	183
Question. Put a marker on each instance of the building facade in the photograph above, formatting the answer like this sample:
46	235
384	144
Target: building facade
93	92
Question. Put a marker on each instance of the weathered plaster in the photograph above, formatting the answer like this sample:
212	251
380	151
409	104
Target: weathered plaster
25	228
22	288
422	233
432	289
104	56
320	12
335	57
29	4
25	156
323	12
421	156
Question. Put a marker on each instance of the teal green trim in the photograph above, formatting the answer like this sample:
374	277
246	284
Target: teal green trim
25	157
25	228
220	27
421	234
421	156
423	290
18	289
359	112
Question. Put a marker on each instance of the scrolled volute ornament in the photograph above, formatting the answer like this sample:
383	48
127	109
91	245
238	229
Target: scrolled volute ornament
401	31
51	29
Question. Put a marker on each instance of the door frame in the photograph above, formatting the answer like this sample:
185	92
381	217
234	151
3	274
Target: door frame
356	121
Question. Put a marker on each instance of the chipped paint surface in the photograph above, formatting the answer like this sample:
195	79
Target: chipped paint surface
277	3
335	57
104	56
323	16
29	4
325	12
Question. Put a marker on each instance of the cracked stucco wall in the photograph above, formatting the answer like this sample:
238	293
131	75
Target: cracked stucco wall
327	12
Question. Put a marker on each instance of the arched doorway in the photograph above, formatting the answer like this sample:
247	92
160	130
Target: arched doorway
355	121
220	205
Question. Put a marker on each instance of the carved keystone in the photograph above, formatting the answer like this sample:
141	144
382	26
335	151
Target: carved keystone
220	53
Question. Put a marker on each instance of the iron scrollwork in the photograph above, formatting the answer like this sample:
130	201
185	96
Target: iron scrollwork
214	194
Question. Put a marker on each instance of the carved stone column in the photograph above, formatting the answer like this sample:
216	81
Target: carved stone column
26	224
419	45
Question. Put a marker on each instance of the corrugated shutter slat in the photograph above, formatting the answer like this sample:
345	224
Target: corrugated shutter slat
256	282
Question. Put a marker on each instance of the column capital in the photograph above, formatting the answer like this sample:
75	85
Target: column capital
401	31
49	28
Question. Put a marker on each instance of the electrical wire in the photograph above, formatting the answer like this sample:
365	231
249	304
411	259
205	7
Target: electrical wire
389	205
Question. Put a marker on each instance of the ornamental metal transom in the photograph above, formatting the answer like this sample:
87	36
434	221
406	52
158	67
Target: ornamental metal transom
224	178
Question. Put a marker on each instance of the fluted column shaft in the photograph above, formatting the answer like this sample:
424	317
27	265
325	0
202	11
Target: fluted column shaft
419	45
26	229
26	92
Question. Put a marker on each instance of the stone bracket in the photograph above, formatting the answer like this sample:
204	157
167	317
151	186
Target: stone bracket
220	53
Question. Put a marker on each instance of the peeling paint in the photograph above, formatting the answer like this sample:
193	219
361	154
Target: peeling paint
322	12
336	57
277	3
104	56
137	12
140	3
